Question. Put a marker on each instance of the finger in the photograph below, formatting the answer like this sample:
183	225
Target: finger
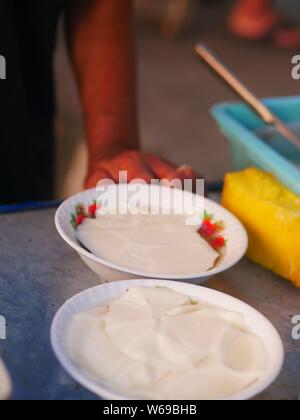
161	168
93	179
132	163
185	173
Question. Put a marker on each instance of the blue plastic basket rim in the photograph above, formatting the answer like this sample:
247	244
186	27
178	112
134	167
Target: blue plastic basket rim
250	140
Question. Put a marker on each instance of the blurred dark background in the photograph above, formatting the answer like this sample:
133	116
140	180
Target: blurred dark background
176	92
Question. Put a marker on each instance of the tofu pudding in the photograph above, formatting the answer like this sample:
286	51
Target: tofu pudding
155	343
162	244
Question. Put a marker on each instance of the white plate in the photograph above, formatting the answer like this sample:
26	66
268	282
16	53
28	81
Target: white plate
105	293
5	383
235	233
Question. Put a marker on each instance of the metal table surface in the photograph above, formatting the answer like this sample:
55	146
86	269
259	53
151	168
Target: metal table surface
39	272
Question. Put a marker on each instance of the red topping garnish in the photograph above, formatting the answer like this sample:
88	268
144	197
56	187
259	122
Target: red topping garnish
80	219
208	228
210	231
82	212
218	243
92	210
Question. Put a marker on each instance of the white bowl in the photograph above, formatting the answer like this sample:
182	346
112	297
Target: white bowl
5	383
105	293
235	233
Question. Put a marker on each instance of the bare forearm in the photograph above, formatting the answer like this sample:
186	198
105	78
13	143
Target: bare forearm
101	40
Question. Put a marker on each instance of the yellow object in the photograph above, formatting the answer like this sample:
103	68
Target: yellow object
271	215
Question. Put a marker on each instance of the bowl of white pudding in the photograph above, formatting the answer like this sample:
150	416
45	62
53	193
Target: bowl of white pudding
165	340
165	245
5	383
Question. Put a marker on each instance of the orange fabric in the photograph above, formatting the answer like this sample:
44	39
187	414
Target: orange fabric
253	19
254	6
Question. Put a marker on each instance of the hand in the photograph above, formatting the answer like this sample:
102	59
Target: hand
138	165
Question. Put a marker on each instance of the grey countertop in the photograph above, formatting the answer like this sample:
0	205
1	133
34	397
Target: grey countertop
38	272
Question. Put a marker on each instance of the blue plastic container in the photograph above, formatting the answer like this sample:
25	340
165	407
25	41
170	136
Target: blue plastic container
253	144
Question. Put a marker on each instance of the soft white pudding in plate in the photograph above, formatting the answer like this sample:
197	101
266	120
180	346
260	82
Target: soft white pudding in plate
69	225
152	243
5	383
157	343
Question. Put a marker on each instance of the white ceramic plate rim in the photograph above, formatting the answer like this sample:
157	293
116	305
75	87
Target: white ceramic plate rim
255	320
139	273
5	383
